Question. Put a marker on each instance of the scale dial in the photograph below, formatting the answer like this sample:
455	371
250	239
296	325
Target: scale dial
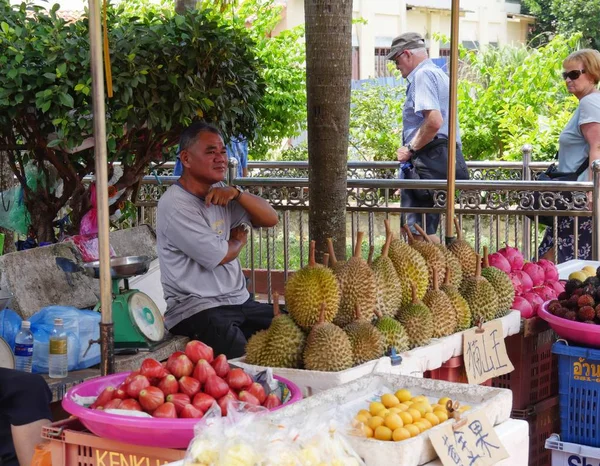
146	316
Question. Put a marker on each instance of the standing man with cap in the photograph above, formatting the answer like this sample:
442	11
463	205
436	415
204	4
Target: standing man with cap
425	125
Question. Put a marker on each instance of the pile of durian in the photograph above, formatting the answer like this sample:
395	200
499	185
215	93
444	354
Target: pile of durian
345	313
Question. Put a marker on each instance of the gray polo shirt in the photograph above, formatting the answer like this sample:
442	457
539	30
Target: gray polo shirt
573	149
191	242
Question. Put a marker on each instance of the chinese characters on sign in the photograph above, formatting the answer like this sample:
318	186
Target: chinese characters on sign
484	353
474	443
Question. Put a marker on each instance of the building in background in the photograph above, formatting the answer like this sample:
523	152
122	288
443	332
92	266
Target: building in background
483	23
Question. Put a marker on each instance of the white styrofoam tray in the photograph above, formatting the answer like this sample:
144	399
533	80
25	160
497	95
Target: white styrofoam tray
414	362
572	454
342	403
575	265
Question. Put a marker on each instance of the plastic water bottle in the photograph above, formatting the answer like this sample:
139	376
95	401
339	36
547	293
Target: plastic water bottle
58	361
24	347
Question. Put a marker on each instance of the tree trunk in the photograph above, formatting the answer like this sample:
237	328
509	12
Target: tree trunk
6	182
328	74
182	5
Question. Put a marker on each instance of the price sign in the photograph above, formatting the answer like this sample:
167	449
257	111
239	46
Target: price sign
471	441
484	353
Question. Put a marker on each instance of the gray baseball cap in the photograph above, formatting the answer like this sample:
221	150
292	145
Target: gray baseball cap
406	41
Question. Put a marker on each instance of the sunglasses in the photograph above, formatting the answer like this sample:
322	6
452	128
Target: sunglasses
573	74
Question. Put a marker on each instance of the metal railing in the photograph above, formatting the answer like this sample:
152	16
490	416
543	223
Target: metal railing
491	212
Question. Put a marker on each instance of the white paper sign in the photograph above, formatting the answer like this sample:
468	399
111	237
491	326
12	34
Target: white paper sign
485	354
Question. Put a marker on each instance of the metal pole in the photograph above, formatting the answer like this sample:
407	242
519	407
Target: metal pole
596	211
526	176
106	326
232	166
452	121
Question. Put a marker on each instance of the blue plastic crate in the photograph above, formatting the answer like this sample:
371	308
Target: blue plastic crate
579	393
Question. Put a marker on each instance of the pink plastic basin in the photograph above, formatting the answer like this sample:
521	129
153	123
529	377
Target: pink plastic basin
577	332
155	432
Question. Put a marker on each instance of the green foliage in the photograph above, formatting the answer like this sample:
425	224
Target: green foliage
167	69
578	16
511	96
376	121
297	153
282	113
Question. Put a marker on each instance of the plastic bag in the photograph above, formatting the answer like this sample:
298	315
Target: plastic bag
80	326
13	213
89	222
87	245
10	324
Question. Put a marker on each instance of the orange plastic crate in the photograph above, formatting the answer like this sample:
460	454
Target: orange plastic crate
72	445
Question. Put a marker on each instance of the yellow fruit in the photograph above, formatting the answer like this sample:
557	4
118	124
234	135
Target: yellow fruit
589	270
375	422
361	418
423	408
438	407
413	429
441	415
364	412
393	421
422	427
407	403
432	418
403	395
581	276
395	410
426	423
383	413
416	415
443	401
389	400
375	407
400	407
383	433
367	431
400	434
406	417
420	399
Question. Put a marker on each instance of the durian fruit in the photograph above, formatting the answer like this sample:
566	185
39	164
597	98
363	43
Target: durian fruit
254	347
335	264
464	318
480	295
393	332
410	267
417	320
327	348
357	287
453	267
307	289
433	256
463	252
442	310
389	289
367	342
501	283
285	341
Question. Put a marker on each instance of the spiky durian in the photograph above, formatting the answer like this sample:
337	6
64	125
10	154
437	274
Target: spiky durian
463	252
416	319
442	310
434	258
367	342
501	283
389	289
393	332
464	318
480	295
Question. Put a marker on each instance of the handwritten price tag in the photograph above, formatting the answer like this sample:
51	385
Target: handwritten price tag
474	443
484	353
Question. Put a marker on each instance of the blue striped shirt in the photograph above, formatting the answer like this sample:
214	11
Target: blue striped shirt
428	89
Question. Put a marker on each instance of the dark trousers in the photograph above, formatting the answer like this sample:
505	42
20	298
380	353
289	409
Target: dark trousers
431	163
24	398
227	328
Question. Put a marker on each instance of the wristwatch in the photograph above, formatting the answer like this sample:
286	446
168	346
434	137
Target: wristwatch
411	149
240	191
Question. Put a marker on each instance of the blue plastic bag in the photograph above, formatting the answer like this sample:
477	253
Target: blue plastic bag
10	324
80	326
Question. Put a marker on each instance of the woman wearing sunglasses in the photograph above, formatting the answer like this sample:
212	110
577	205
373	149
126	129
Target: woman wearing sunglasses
579	142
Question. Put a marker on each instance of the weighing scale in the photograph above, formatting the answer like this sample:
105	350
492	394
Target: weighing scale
137	320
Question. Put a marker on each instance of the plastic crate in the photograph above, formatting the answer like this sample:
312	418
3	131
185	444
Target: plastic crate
72	445
543	419
453	370
535	377
579	391
570	454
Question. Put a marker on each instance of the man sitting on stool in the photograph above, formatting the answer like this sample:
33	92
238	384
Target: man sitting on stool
200	233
